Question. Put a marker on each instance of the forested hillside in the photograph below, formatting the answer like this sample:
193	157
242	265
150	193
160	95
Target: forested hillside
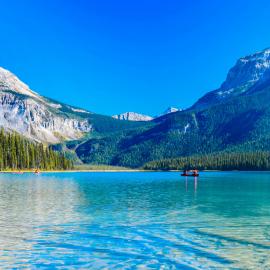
217	161
235	118
17	152
238	125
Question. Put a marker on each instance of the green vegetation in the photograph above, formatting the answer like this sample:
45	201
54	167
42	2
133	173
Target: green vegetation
241	124
18	153
106	125
88	167
104	142
218	161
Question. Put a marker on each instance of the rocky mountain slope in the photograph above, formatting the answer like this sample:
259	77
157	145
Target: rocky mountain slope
36	117
248	72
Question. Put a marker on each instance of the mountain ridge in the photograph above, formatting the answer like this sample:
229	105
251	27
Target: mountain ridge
235	117
36	117
245	74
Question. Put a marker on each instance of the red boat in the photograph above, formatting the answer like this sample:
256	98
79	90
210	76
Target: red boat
193	173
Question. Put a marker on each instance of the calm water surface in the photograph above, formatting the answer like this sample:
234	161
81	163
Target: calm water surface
135	221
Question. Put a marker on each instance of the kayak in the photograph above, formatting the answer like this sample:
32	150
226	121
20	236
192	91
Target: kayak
194	175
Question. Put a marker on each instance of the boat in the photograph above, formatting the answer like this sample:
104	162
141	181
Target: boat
37	171
193	173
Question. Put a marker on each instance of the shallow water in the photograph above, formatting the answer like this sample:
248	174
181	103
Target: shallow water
135	220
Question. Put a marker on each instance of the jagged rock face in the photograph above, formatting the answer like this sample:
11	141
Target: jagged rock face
132	116
35	117
9	81
248	70
247	73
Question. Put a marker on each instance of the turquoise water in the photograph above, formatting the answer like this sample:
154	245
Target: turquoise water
135	220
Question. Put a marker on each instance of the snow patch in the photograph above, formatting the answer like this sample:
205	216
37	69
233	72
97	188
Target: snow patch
79	110
186	127
57	106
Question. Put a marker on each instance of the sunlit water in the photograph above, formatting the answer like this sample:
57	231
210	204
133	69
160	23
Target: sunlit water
135	220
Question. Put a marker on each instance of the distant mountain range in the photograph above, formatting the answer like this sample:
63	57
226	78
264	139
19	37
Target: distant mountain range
235	117
133	116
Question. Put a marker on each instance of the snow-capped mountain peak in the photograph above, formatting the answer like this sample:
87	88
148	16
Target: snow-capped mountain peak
244	75
132	116
247	70
171	110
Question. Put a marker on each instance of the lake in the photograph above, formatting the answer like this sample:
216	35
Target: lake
221	220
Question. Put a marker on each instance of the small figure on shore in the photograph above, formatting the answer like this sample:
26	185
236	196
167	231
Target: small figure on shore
37	171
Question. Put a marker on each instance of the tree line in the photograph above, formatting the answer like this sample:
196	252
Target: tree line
259	160
16	152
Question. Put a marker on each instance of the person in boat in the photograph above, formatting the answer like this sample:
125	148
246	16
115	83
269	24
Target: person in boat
190	173
185	173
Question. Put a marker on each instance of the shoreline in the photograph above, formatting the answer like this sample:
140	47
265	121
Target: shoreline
114	170
69	171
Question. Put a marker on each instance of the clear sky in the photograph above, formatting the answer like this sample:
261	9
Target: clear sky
112	56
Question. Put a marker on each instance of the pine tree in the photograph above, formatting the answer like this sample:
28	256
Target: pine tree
18	153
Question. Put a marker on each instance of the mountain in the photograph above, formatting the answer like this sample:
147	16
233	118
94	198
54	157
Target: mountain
171	110
48	121
234	118
132	116
36	117
248	73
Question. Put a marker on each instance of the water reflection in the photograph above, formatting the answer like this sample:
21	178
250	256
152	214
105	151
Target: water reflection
195	183
26	204
133	220
192	180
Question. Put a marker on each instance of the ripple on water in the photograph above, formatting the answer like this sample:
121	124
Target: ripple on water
135	220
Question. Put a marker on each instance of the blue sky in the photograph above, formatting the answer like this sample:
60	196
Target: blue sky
115	56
